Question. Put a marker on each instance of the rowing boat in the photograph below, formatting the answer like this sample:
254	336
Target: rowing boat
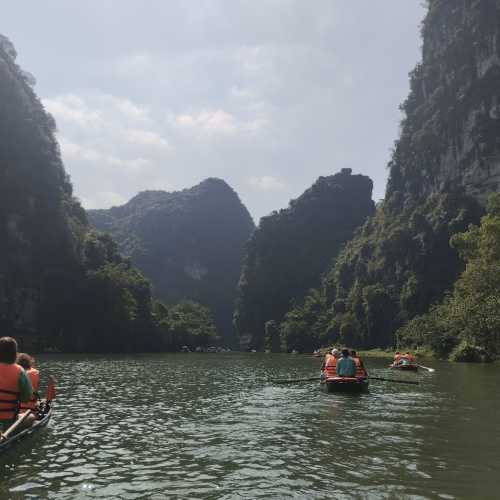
42	419
345	384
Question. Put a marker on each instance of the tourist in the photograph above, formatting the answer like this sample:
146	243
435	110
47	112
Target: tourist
328	368
360	367
27	362
346	366
15	386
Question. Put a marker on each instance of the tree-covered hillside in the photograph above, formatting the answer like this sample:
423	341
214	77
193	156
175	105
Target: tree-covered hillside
443	167
188	243
292	248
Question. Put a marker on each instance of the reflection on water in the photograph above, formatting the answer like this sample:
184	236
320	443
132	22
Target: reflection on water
212	426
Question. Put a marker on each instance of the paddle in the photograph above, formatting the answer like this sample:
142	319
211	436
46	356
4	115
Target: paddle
293	380
14	426
398	381
427	368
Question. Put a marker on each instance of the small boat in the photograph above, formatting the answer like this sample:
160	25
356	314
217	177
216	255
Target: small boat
408	367
42	419
345	384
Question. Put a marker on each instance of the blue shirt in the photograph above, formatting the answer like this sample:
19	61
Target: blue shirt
346	367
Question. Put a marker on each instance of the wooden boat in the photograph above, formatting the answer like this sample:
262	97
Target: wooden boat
345	384
409	367
43	418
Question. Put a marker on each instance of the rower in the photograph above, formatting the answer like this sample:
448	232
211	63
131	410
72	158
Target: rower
346	366
15	386
27	362
360	367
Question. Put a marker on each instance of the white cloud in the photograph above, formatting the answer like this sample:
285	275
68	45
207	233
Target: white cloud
72	108
103	199
146	138
219	122
266	183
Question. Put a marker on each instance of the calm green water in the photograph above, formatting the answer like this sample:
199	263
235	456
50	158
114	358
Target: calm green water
211	426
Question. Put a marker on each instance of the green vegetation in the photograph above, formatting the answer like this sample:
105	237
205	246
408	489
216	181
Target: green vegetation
188	243
466	325
185	324
292	248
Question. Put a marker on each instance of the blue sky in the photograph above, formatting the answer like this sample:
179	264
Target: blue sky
267	94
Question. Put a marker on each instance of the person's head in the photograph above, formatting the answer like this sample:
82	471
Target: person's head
345	353
25	360
8	350
397	353
335	352
353	353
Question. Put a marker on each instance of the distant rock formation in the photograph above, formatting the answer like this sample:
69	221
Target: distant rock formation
188	243
292	248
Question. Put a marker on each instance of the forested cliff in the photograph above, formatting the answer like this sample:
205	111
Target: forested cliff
292	248
188	243
63	284
444	166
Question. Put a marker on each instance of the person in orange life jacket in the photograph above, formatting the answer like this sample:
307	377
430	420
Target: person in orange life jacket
15	386
397	358
409	357
27	362
328	367
360	367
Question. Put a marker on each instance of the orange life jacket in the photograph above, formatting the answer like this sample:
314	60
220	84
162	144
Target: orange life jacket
330	366
360	372
34	376
9	390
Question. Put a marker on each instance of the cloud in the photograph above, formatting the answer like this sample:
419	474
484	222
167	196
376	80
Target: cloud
72	108
146	138
219	122
103	199
266	183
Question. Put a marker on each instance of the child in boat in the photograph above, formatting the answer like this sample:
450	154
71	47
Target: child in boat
28	362
15	385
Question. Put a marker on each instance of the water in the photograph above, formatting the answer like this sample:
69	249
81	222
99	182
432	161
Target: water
212	426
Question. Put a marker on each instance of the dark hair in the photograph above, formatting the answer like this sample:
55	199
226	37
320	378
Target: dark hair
353	353
397	352
8	350
345	353
25	360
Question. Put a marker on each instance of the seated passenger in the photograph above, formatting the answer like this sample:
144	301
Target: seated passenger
410	357
397	358
330	363
15	386
27	362
360	368
345	365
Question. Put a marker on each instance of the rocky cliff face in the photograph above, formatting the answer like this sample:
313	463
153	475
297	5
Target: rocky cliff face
40	222
292	248
444	166
450	138
189	243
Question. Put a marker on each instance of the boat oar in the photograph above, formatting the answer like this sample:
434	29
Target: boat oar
14	426
398	381
293	380
427	368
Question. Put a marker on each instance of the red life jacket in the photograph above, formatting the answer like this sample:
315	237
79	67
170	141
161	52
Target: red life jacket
360	372
331	366
34	376
9	390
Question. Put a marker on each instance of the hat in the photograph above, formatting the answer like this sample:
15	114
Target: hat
335	351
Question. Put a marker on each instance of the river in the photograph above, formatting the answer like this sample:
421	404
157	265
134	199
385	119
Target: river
212	426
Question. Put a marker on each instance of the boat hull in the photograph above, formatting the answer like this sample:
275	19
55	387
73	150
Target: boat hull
39	424
345	384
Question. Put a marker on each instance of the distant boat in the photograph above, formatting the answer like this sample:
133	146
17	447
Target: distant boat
295	351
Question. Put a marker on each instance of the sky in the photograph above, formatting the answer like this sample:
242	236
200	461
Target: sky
265	94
